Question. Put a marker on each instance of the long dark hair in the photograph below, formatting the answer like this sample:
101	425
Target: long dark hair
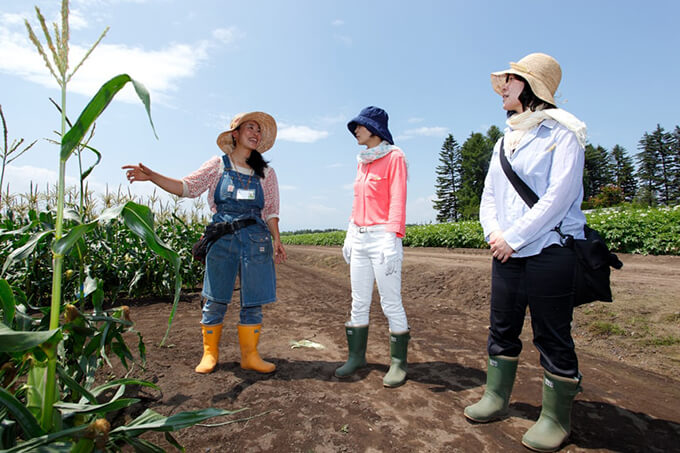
529	100
257	163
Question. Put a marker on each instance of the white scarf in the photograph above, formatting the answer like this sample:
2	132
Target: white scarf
368	155
522	122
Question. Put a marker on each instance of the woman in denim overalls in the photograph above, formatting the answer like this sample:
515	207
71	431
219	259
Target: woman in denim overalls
243	194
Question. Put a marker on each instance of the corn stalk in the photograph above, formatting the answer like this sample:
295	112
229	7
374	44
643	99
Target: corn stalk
58	64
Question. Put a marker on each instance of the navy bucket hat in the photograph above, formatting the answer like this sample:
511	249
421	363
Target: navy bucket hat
375	120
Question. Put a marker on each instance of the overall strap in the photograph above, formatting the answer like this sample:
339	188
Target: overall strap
227	162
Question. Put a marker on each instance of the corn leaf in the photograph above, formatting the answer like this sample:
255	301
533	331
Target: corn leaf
41	440
7	302
21	414
153	421
14	341
96	106
25	250
74	408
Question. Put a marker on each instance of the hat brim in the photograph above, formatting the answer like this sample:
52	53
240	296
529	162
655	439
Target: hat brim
267	131
540	90
372	126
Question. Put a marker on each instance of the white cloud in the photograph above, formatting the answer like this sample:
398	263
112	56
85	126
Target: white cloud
22	178
160	70
416	120
300	134
428	131
338	23
228	35
287	187
335	165
423	132
76	20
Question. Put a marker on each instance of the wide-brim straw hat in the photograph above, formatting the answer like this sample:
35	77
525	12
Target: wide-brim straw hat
541	71
267	130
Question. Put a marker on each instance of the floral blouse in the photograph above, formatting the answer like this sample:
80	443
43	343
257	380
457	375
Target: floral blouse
209	174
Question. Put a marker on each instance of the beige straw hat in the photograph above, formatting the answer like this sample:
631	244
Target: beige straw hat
542	72
267	128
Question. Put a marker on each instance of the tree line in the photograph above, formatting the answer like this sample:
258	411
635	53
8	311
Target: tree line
651	177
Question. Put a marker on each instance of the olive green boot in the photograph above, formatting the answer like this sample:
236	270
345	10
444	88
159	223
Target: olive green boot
357	338
398	364
500	377
554	423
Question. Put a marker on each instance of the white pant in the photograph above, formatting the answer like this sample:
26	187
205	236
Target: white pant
366	266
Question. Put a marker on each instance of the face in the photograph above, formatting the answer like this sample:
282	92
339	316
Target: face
365	137
511	90
248	135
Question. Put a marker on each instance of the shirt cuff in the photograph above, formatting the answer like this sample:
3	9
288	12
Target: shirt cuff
513	239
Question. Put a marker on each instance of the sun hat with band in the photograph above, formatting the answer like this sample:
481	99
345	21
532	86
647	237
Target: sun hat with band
375	120
267	130
541	71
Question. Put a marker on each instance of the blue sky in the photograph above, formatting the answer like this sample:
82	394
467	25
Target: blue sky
313	64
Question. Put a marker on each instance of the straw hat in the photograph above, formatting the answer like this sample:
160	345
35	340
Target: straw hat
541	71
267	129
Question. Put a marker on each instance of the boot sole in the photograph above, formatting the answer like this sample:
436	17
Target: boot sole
488	420
543	450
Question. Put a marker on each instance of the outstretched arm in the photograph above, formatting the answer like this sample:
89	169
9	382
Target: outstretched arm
141	172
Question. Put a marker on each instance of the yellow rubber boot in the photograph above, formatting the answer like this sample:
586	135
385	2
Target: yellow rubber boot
248	337
211	345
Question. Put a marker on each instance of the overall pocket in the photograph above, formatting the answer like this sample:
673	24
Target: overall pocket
260	248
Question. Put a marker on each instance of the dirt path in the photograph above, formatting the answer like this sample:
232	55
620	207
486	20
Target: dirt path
630	402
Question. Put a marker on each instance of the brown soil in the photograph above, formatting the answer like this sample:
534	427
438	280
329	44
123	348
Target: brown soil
629	354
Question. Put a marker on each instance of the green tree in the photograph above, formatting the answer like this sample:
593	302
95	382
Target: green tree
597	172
623	172
675	153
657	168
448	182
475	155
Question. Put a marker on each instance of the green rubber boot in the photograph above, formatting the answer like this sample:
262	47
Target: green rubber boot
398	364
357	337
554	423
500	377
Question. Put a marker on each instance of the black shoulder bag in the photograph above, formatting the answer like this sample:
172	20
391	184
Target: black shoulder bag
593	255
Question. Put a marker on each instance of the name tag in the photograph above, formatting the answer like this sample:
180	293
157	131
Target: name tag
243	194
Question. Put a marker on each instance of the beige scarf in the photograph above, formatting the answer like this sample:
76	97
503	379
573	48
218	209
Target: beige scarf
520	123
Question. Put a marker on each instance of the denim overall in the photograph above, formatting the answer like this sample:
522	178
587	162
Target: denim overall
248	252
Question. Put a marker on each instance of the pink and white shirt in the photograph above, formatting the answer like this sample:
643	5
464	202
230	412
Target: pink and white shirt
209	174
380	193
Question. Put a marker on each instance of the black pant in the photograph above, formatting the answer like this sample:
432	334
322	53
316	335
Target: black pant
544	282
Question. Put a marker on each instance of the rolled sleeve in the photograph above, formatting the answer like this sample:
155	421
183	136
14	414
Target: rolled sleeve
270	186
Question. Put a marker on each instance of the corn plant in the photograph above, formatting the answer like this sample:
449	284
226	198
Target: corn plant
60	360
9	149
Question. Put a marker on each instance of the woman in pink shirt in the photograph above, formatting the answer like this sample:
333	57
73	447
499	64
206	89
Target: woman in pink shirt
373	246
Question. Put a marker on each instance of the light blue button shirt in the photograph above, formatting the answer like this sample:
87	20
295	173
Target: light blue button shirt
550	160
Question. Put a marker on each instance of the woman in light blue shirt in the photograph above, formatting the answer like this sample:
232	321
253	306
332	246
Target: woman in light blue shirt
545	147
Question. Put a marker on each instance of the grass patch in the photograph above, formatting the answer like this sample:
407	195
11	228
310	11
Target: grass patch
605	328
675	317
668	340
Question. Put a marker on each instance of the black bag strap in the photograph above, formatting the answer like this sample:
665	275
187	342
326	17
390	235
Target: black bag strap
524	191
